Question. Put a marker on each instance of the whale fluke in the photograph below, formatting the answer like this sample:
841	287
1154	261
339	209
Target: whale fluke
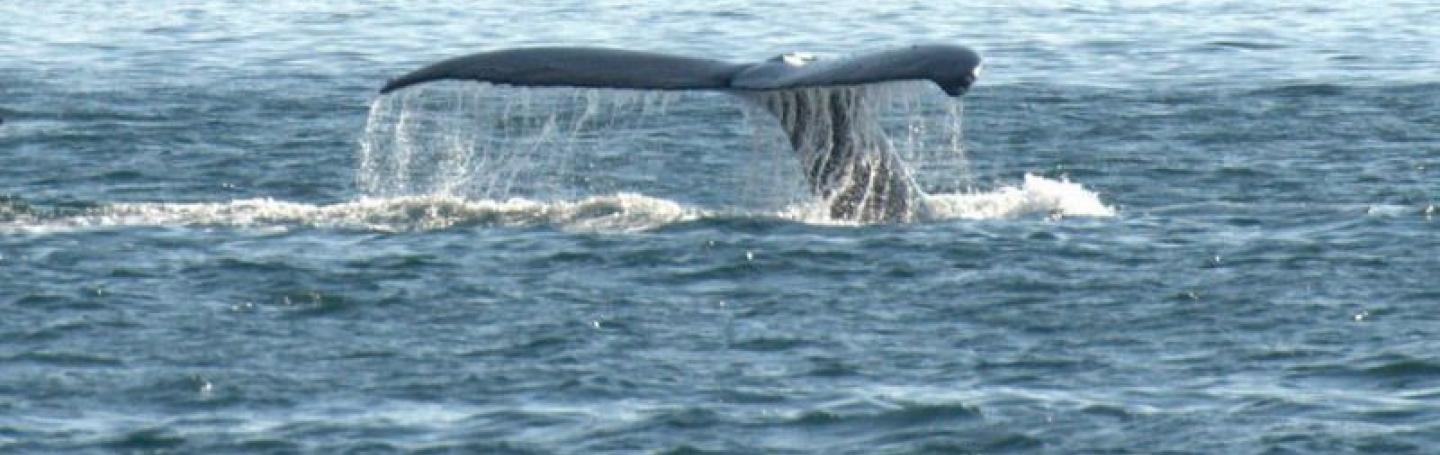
821	105
951	67
577	67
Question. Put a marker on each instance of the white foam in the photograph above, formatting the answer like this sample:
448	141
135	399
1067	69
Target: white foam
1037	196
1396	210
621	212
615	213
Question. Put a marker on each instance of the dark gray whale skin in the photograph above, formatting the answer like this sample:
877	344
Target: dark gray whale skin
846	162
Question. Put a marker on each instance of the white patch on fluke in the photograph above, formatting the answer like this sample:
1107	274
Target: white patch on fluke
798	58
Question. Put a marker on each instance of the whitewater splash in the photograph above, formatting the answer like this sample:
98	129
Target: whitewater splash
621	212
455	155
1037	195
474	140
624	212
496	142
483	141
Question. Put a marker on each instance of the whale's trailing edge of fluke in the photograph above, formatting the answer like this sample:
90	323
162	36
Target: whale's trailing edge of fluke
951	67
577	67
819	103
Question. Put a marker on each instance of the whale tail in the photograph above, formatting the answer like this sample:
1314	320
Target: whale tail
821	105
847	160
953	68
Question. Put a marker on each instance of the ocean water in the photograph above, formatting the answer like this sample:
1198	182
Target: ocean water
1152	227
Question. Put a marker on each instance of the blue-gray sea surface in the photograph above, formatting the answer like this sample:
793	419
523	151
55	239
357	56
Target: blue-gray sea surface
1181	227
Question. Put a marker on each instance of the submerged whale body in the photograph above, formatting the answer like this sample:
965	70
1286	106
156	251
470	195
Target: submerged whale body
820	104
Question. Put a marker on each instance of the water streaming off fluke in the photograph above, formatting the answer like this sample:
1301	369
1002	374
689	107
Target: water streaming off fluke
497	142
462	154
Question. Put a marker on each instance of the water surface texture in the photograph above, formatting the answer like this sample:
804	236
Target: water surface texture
1180	227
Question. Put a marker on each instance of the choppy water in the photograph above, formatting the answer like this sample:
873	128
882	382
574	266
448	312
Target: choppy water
1193	227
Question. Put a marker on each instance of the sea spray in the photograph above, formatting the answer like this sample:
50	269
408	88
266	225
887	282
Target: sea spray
495	142
450	155
483	141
